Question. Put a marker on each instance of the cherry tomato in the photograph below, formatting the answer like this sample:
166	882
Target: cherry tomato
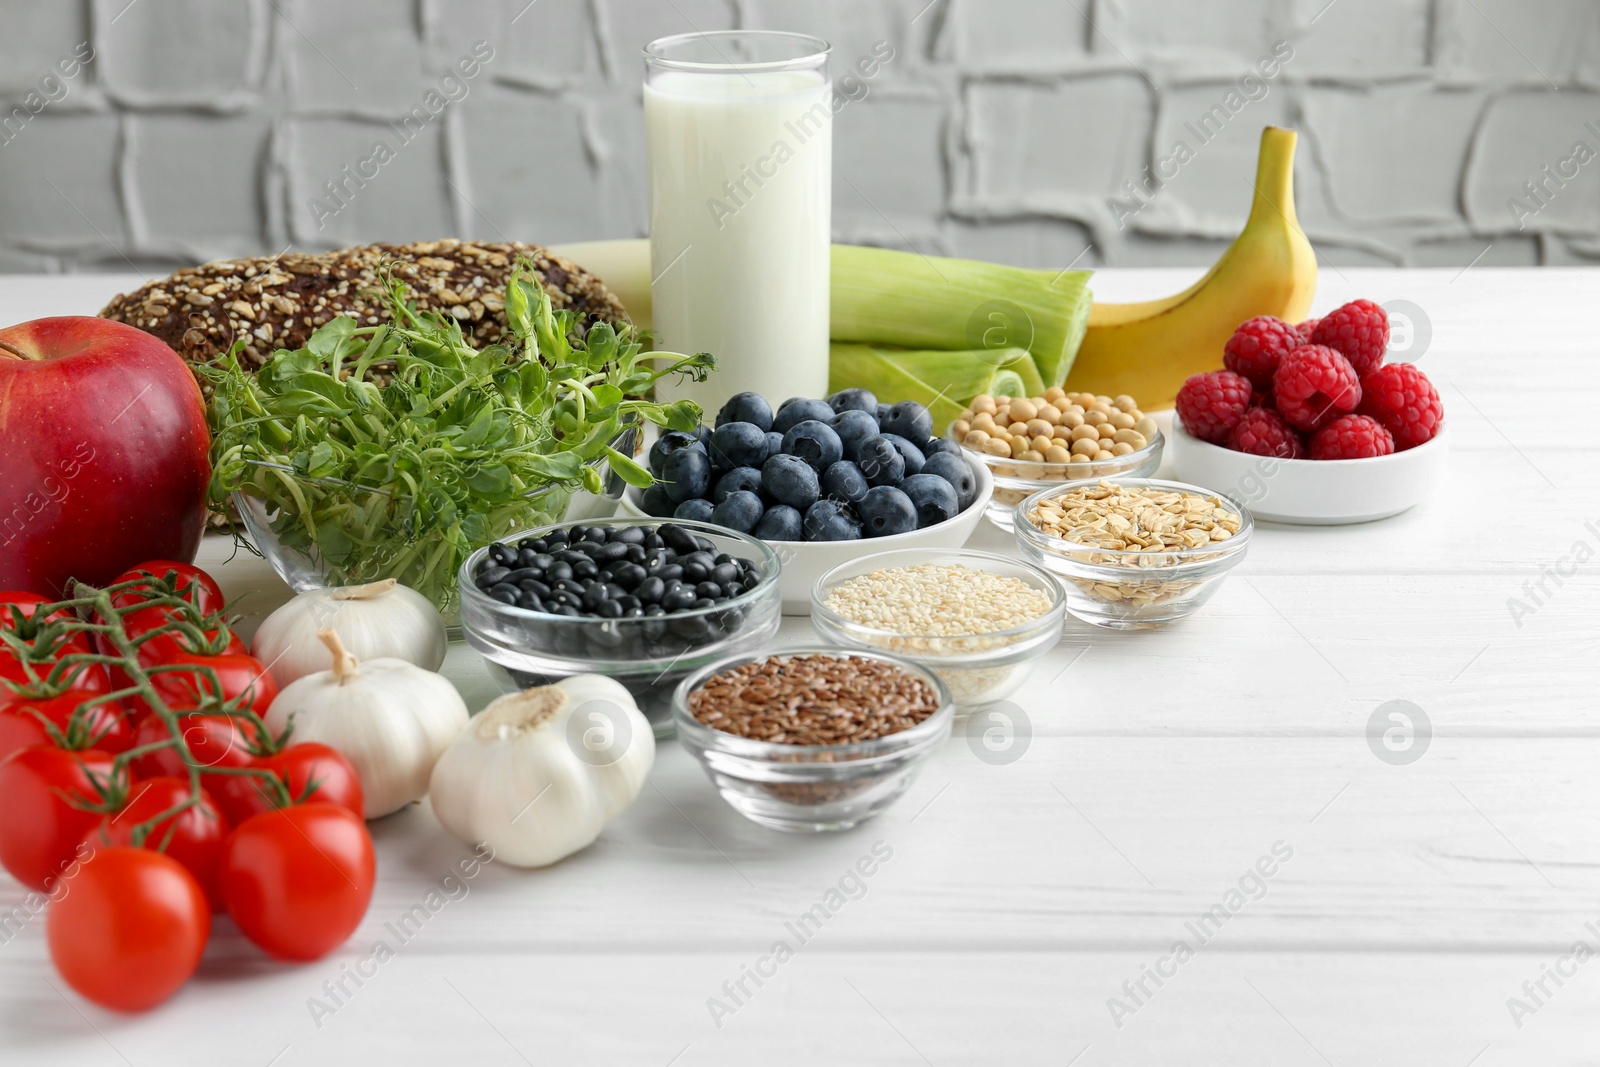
91	676
299	766
239	673
197	833
104	726
188	582
39	827
131	930
299	879
214	740
26	603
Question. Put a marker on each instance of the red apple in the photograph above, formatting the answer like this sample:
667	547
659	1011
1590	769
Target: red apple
105	453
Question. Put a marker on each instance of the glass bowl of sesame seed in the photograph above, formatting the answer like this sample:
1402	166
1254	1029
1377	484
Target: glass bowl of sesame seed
809	740
979	621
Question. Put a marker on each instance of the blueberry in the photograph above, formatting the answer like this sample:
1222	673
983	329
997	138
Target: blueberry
882	412
796	410
881	461
958	472
747	407
667	444
853	427
854	400
738	444
747	478
941	446
703	435
885	510
815	442
909	452
740	511
774	444
780	523
910	420
844	481
790	480
696	510
655	501
686	474
831	520
934	498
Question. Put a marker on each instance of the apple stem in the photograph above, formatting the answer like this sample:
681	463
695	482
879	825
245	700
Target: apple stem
9	350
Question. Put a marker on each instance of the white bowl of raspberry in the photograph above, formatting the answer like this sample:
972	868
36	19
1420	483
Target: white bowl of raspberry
1312	492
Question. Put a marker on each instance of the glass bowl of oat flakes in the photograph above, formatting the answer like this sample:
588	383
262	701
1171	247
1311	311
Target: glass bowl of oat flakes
1136	553
979	621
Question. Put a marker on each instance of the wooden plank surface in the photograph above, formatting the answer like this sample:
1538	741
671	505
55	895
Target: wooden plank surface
1143	785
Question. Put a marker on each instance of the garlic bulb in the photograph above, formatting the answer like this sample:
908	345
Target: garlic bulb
391	719
539	773
379	620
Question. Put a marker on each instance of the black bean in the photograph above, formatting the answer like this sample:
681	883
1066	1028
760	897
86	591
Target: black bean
629	535
556	537
567	585
530	601
526	558
629	576
523	572
695	572
633	613
708	590
732	589
671	572
492	577
636	554
596	535
651	588
508	594
653	541
585	571
705	602
705	544
534	586
558	572
723	573
678	539
593	597
652	610
629	602
678	600
611	553
610	609
723	557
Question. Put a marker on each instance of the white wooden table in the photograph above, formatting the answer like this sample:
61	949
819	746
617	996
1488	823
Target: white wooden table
1024	890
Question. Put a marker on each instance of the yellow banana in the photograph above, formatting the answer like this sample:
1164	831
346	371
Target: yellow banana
1147	349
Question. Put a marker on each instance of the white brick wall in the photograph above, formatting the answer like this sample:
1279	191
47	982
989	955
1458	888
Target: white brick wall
1001	128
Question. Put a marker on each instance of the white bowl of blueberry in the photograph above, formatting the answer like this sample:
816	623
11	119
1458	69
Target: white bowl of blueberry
815	477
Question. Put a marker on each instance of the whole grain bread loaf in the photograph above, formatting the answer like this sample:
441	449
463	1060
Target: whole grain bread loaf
274	302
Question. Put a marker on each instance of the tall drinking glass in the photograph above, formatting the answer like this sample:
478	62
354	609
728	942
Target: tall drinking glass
739	126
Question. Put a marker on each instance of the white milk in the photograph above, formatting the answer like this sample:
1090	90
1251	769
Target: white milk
740	201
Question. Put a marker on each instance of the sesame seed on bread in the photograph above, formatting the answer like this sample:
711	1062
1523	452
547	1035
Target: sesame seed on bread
273	302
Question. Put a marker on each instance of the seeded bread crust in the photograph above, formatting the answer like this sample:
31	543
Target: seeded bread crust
274	302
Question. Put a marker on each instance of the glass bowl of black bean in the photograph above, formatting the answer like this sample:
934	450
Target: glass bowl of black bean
643	601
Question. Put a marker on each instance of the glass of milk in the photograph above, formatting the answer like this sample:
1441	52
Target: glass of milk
739	126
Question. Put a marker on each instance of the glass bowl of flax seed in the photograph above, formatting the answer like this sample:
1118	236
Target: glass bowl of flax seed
809	740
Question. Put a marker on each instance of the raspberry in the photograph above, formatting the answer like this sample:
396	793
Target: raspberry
1256	347
1351	437
1359	330
1305	330
1262	432
1212	404
1400	397
1313	386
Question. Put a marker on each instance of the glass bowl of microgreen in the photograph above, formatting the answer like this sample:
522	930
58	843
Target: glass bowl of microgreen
395	450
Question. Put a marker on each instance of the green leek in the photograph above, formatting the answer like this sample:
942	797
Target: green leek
909	300
942	381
